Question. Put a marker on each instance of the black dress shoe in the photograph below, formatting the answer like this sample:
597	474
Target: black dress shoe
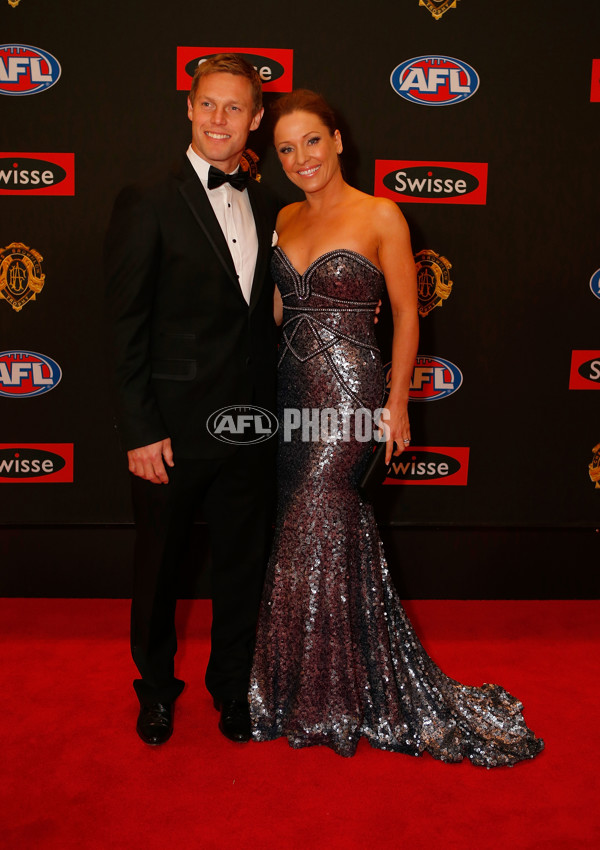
155	723
235	719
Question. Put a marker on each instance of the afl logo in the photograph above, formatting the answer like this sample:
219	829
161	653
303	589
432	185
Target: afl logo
595	283
434	80
26	373
26	70
244	424
433	378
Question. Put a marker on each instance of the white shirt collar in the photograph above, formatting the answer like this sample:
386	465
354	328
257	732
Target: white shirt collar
201	166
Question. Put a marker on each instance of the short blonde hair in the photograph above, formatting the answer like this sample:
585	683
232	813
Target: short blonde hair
229	63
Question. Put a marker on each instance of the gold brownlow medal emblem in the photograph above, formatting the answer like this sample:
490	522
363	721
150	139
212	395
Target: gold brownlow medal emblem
438	7
21	277
249	162
433	280
594	467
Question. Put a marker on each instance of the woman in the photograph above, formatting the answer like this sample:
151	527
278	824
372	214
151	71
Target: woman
336	657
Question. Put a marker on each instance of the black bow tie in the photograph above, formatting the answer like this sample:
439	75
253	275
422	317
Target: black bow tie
216	178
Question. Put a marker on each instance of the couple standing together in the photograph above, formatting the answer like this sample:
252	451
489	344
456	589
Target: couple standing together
190	270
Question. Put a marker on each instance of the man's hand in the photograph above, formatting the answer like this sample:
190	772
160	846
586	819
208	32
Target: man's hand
147	461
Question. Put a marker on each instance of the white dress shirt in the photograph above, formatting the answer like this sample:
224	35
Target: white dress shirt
234	214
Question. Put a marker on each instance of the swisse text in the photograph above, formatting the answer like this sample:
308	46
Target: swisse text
266	72
22	467
37	173
36	463
432	465
431	182
590	370
22	177
242	425
430	185
273	65
422	469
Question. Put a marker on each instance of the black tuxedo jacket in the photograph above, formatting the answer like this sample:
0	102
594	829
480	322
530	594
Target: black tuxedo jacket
185	342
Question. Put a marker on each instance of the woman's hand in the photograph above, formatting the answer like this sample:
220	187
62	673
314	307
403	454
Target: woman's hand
395	425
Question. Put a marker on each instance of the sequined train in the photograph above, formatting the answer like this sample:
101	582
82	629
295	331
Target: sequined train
337	658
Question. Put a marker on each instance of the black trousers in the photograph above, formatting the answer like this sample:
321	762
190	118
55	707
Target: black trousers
237	498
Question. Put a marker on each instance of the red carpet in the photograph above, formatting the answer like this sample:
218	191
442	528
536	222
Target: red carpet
75	774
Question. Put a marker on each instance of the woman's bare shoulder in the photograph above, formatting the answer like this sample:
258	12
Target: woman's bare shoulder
383	208
387	217
287	214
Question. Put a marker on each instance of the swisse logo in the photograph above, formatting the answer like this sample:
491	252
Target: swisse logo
242	425
595	283
30	463
274	65
26	373
434	80
26	70
585	370
433	465
37	173
422	182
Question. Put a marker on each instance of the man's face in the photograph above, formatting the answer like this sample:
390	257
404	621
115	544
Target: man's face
222	116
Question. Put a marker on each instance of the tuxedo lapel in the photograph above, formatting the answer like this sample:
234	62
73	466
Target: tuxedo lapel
265	237
194	195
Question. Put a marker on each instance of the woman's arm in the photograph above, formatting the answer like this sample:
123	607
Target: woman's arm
398	266
277	307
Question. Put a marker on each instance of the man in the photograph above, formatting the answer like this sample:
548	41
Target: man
193	331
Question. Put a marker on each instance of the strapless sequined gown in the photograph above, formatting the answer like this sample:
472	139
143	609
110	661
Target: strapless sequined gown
336	656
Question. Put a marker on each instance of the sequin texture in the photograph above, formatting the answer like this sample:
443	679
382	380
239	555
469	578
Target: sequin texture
337	658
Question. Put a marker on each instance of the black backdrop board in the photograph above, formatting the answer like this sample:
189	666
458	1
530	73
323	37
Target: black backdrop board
521	305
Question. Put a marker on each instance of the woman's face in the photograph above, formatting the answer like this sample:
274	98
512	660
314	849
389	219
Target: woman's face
307	150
